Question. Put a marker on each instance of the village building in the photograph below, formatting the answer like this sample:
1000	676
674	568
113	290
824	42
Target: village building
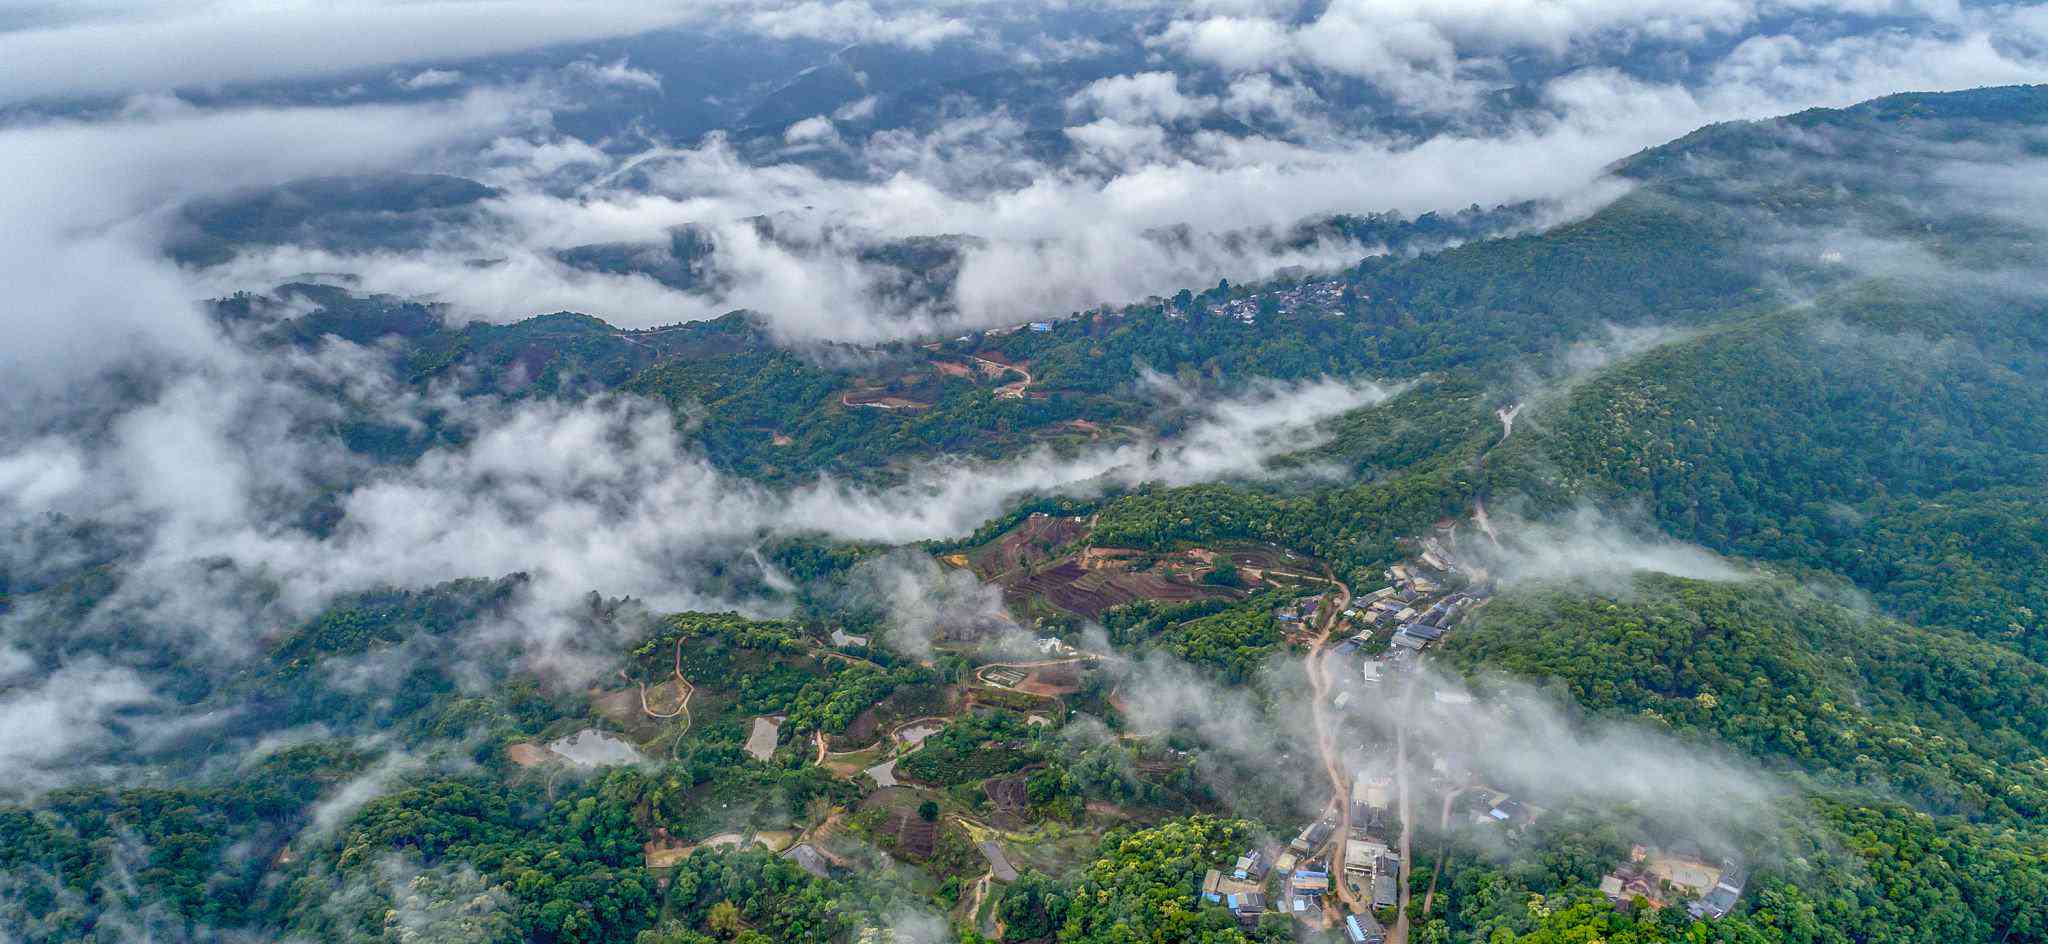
1720	899
1310	883
1313	837
1052	646
1363	928
1386	881
1660	877
1247	906
1359	856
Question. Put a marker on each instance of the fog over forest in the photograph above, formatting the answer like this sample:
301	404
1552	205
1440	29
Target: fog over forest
856	470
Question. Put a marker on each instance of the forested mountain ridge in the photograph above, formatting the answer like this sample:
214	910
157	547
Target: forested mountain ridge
1727	222
1836	435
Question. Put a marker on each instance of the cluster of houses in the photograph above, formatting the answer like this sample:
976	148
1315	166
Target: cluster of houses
1421	604
1490	807
1299	611
1431	626
1658	877
1242	309
1410	607
1324	295
1243	891
1300	877
1035	327
1401	601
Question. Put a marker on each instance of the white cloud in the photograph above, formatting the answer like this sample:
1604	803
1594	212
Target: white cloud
1505	734
617	74
343	802
1054	241
167	46
524	158
1440	55
431	79
1588	546
90	198
598	496
1260	96
54	719
855	21
1850	69
1235	43
126	46
1144	97
860	109
41	473
1119	144
1061	236
816	129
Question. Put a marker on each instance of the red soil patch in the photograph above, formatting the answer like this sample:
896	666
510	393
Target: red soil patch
1028	544
622	706
526	754
1007	794
1070	586
861	733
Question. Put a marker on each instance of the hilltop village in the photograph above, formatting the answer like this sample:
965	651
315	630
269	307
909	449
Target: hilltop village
1347	869
969	781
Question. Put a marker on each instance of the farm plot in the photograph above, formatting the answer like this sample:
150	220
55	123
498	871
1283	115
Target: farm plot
1006	678
968	750
1075	588
1006	794
889	815
1034	542
905	703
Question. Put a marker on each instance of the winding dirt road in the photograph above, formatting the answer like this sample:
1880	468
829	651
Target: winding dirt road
1332	607
1444	827
682	685
1013	391
1398	934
